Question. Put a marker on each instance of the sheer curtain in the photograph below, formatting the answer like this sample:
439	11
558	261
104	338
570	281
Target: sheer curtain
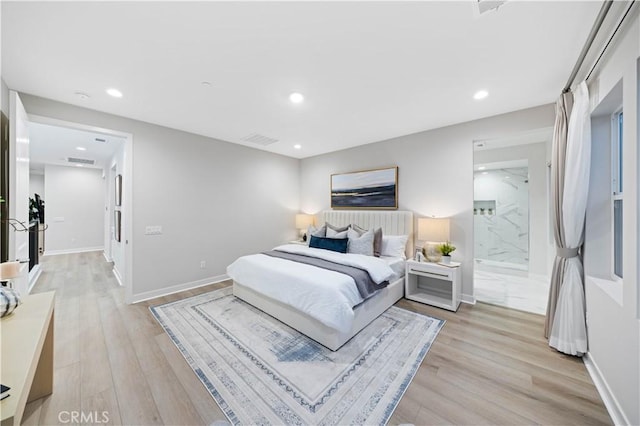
568	326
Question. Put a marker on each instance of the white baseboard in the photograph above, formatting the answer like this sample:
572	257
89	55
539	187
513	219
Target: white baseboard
104	253
71	251
177	288
468	298
609	399
116	273
34	274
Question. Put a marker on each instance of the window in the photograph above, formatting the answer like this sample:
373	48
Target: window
616	180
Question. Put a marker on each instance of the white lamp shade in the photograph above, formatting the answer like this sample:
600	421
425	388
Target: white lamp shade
303	221
433	229
9	270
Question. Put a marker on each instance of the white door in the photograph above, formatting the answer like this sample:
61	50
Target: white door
19	189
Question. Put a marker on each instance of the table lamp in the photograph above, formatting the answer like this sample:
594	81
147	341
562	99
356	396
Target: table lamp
433	231
9	271
303	222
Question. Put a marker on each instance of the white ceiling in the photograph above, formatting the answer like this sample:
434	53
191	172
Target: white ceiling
54	145
369	70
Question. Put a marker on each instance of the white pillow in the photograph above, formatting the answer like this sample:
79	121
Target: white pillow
394	245
360	244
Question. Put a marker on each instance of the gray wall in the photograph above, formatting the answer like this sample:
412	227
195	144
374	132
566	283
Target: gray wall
36	185
435	172
214	200
4	97
613	308
73	209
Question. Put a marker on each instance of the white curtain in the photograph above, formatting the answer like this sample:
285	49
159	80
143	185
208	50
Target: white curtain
569	331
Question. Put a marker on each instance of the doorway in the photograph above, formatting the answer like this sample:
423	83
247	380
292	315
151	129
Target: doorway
511	221
109	152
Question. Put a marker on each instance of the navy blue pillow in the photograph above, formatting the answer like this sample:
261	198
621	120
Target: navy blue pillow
333	244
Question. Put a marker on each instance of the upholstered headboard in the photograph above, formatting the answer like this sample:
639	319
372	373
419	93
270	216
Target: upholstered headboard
397	222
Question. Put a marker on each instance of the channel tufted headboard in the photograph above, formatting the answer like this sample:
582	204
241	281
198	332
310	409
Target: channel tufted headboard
397	222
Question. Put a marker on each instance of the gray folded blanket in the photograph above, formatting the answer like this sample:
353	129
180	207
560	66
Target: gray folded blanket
366	286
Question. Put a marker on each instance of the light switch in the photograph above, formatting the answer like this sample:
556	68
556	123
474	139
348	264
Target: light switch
153	230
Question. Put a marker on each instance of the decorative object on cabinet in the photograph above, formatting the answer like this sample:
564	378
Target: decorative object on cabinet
9	301
434	284
118	191
446	249
433	231
368	189
303	221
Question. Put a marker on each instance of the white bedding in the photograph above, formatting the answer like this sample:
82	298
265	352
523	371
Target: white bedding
326	296
397	264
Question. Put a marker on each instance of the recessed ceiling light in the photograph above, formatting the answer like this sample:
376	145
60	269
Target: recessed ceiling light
485	173
481	167
206	83
83	96
81	148
480	94
114	92
296	97
297	146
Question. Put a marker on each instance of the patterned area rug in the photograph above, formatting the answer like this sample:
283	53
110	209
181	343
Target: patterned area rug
261	371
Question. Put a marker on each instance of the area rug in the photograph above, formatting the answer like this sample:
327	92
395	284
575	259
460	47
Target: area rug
261	371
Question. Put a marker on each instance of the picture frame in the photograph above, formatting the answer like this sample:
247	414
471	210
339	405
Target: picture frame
365	189
117	225
418	255
118	190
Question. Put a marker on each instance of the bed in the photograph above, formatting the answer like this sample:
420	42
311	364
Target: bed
254	288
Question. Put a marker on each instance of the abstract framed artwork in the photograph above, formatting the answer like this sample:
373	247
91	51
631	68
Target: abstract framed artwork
118	190
117	225
367	189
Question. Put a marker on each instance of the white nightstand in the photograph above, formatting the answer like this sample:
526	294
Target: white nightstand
433	284
302	243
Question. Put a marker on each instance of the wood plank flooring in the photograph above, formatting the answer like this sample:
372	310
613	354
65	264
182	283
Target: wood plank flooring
489	365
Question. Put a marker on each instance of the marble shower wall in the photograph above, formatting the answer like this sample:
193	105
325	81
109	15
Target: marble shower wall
501	216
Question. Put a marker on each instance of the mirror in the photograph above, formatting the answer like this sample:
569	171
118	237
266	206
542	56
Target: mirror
512	238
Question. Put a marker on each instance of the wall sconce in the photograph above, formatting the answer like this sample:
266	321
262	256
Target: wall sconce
303	222
433	231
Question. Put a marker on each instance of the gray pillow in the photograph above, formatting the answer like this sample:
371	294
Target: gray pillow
335	234
360	244
336	228
377	238
316	232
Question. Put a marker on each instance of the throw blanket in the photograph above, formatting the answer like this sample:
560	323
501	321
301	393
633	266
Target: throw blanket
366	286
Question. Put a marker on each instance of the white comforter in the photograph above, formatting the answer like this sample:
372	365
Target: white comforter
326	296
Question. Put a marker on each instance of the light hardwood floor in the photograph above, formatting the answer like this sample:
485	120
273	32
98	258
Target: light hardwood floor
489	365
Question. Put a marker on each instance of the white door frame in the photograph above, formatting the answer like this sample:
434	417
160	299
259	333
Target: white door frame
127	190
19	190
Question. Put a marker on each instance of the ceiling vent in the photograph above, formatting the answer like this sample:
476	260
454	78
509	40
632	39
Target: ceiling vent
101	140
488	5
259	139
81	161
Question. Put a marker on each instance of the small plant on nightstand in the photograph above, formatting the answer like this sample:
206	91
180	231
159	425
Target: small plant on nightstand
446	249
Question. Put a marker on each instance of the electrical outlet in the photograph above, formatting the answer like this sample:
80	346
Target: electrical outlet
203	264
